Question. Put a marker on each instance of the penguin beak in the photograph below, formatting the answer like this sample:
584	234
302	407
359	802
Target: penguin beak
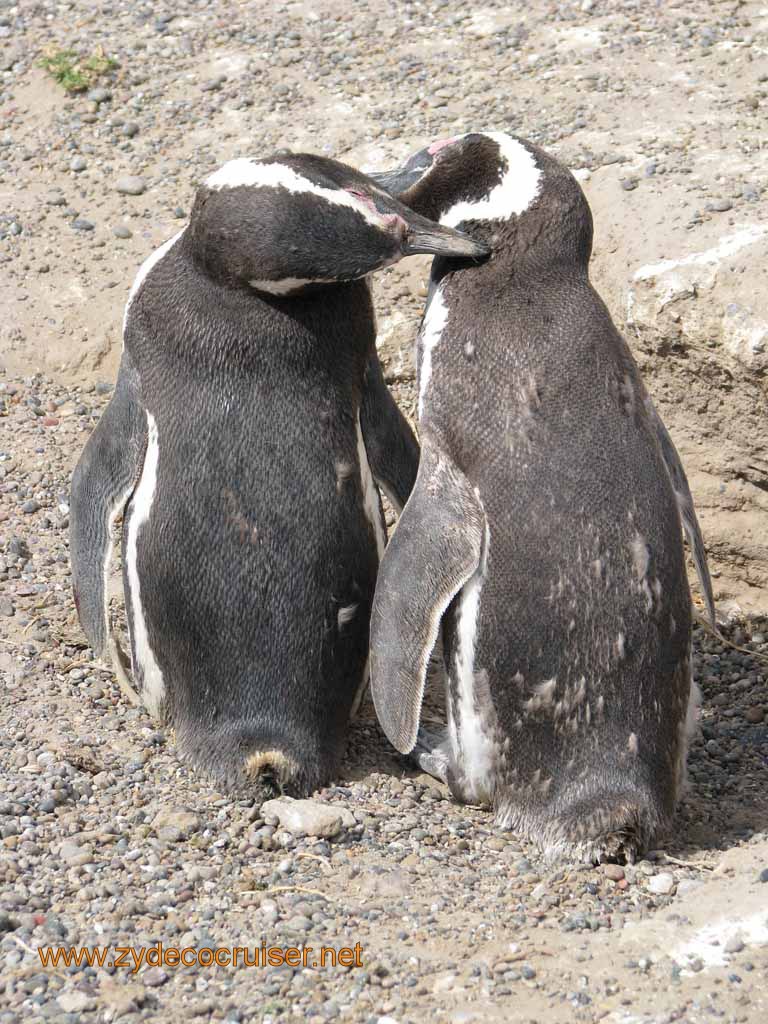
420	234
425	236
396	182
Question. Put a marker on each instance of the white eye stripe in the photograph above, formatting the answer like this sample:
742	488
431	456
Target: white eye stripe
513	195
250	173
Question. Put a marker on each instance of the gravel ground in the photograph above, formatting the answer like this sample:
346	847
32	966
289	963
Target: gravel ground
106	839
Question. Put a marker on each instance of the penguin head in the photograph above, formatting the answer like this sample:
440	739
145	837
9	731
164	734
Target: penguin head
296	221
500	189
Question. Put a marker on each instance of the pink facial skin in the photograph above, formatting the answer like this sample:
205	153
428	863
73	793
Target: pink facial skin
364	199
437	146
393	221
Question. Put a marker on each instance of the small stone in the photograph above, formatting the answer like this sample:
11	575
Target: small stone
763	876
99	95
662	884
8	59
176	823
122	231
720	205
130	128
7	924
30	506
131	185
754	715
120	997
733	945
74	854
7	607
81	224
613	871
629	184
77	164
75	1002
55	199
154	977
306	816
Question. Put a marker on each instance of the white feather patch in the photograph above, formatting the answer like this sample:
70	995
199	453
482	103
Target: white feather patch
250	173
114	512
153	688
435	319
288	285
473	749
345	615
513	195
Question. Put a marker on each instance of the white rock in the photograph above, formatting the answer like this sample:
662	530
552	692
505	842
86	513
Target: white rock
74	1002
308	817
661	884
131	185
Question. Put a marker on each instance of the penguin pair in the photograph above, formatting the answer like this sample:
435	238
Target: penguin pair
543	536
243	445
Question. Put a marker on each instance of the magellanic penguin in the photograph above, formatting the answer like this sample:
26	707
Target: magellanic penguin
249	421
544	529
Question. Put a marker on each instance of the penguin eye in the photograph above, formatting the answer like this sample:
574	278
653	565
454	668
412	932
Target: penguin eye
358	194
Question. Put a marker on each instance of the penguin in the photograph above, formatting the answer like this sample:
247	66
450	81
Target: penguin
542	539
248	427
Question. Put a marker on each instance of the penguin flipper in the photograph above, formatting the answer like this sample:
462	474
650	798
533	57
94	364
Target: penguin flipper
434	550
392	449
102	483
685	507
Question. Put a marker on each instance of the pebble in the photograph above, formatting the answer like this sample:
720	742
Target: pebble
81	224
74	853
77	164
99	95
75	1002
613	871
733	945
720	205
180	820
754	715
122	231
154	977
661	884
131	185
629	184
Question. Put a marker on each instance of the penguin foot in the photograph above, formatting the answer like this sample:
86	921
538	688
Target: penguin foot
270	775
121	667
431	754
615	828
